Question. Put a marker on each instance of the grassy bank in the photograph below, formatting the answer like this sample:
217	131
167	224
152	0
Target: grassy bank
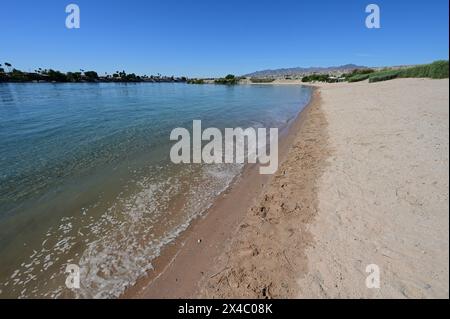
435	70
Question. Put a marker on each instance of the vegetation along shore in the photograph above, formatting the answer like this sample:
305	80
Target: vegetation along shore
347	73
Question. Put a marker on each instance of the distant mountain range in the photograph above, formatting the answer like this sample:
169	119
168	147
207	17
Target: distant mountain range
299	71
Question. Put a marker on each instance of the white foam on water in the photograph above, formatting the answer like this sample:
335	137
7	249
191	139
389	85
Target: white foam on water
117	260
119	246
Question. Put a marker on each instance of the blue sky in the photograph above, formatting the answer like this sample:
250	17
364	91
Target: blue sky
213	38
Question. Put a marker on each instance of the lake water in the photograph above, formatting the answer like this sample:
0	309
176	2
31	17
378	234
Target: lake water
86	178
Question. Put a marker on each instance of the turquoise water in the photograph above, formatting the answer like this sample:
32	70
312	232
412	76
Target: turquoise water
86	177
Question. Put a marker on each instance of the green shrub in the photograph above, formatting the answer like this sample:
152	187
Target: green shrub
18	76
435	70
356	72
439	70
55	76
363	71
230	79
358	77
74	76
383	75
262	80
195	81
419	71
316	78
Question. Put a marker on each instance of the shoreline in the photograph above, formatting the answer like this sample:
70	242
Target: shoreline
362	180
364	187
191	256
268	248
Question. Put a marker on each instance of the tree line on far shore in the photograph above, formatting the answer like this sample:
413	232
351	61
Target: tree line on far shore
10	74
435	70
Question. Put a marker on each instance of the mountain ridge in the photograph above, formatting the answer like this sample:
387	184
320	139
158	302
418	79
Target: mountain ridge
295	71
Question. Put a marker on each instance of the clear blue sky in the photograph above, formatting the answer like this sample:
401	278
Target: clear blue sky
211	38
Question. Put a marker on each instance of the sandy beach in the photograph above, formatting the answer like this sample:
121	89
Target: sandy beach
363	180
225	157
383	198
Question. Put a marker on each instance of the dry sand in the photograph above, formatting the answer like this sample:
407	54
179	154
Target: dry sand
365	182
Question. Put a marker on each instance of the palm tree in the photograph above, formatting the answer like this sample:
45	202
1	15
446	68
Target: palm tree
8	65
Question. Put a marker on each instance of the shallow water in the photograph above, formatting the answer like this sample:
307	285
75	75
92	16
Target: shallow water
85	176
